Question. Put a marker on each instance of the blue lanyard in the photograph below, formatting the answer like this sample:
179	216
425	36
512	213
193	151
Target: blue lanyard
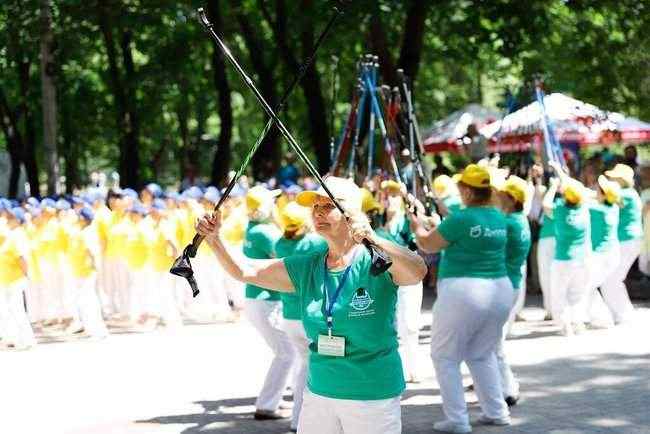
329	303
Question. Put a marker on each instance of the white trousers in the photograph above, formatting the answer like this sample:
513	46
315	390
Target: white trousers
14	323
509	383
34	297
296	333
88	306
53	290
116	281
212	302
409	305
322	415
569	282
168	309
614	289
545	254
266	317
468	320
600	266
143	298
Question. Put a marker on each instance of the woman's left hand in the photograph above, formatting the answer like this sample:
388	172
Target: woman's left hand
360	228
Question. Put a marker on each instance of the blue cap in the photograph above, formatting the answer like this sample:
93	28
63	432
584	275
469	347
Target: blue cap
212	194
5	204
293	189
18	213
48	203
159	204
129	192
94	195
173	196
87	213
154	189
32	201
35	212
62	205
77	200
14	203
138	208
193	193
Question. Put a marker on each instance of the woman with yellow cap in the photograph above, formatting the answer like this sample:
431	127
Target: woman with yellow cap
569	266
474	299
513	196
446	193
630	234
263	306
396	228
604	218
296	240
355	374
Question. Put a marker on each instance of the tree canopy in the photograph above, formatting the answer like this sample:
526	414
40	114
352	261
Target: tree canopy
141	88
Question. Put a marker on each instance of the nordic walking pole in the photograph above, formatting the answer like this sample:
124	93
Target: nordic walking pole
380	261
182	266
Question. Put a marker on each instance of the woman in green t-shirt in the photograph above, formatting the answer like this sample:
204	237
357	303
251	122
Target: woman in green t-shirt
605	256
355	376
396	228
630	234
262	305
474	298
296	240
569	266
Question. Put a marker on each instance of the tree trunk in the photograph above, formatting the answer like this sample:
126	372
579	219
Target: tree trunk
266	160
9	126
70	150
413	38
222	157
29	129
48	70
380	47
131	162
125	123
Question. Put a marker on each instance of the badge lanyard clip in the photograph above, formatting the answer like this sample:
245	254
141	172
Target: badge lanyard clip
329	306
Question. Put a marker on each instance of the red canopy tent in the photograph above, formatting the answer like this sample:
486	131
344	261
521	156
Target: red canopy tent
574	122
447	134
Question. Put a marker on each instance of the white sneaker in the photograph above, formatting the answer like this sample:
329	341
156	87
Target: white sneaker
567	331
452	427
501	421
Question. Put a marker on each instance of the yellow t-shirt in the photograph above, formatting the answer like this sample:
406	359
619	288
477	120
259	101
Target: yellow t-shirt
136	244
118	228
78	255
32	232
161	255
48	241
234	225
10	257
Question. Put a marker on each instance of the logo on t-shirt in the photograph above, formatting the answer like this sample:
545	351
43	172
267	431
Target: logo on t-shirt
475	231
360	303
479	231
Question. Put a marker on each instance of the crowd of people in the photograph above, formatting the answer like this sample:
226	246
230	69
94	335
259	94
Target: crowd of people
299	267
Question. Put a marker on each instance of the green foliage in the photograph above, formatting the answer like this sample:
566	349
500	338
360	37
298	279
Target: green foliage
472	52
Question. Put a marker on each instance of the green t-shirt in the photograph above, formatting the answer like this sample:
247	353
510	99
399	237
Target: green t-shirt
477	244
309	243
571	230
630	227
604	223
548	225
517	246
364	315
453	204
398	232
259	243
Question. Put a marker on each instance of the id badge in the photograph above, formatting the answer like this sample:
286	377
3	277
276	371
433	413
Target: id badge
331	345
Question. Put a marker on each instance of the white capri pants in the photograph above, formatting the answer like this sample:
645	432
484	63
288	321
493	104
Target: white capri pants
409	304
569	281
322	415
14	323
545	254
296	333
614	290
266	317
468	320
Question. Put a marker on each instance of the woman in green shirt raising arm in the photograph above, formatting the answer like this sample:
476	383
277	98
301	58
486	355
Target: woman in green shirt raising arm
355	377
474	299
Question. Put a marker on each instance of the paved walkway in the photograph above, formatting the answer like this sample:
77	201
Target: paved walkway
204	378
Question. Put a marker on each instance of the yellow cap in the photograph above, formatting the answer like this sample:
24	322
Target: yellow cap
574	191
259	195
475	176
611	189
516	187
293	216
442	186
622	171
456	177
390	185
343	190
368	201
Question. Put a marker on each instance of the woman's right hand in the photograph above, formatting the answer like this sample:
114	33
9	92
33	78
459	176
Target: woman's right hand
209	225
